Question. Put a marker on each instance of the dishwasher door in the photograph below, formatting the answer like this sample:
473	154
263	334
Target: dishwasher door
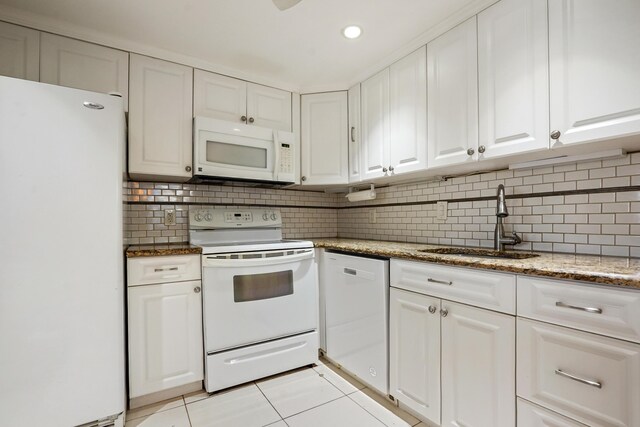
357	301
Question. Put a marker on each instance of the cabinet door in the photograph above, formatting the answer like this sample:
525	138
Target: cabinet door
452	96
269	107
324	141
408	113
81	65
374	148
219	97
513	78
165	336
160	120
414	352
594	69
20	52
355	132
478	367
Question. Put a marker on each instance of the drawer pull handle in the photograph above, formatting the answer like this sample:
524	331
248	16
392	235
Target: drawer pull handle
580	380
158	270
442	282
575	307
350	271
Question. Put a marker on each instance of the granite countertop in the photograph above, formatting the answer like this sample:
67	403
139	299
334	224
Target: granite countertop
162	250
616	271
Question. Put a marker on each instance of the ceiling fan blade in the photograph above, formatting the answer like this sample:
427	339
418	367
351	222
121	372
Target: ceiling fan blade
285	4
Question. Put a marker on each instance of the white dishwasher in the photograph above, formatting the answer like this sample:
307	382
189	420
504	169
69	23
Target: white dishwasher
356	303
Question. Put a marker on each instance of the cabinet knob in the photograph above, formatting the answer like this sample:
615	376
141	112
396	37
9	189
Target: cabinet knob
444	312
304	178
555	134
481	149
243	118
470	151
390	168
251	120
187	168
384	170
196	289
432	309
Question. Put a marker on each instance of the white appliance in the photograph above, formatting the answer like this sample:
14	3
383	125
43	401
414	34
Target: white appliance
259	293
356	293
225	149
61	255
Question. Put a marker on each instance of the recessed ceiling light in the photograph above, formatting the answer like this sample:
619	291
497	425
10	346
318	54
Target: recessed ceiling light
352	32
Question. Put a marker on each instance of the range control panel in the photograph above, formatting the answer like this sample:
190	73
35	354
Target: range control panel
213	218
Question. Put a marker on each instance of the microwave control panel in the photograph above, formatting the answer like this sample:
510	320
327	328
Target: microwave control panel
286	158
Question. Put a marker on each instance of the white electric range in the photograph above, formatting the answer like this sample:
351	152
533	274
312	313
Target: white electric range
260	295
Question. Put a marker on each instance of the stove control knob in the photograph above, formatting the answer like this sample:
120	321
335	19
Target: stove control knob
208	216
198	217
265	216
273	216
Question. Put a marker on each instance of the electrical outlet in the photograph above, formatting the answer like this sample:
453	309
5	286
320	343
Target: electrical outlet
373	216
441	211
170	217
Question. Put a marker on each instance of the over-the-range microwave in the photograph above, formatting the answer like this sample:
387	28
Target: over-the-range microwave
225	149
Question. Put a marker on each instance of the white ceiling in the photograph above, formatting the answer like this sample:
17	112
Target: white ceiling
300	49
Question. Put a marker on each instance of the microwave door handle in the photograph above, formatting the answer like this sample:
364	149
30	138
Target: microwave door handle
276	155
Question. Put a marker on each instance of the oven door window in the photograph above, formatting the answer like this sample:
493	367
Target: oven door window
255	287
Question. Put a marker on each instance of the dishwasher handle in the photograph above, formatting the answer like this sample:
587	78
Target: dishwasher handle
350	271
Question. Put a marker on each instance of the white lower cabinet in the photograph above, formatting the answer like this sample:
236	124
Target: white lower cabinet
414	352
478	367
452	363
165	334
530	415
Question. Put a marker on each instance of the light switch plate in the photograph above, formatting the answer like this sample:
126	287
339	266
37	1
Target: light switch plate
373	217
441	211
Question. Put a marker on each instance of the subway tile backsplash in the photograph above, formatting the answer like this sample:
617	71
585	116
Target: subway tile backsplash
591	207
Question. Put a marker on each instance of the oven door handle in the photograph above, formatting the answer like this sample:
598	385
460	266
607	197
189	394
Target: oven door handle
212	261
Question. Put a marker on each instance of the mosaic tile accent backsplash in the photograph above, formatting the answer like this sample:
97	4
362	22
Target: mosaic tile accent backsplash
591	207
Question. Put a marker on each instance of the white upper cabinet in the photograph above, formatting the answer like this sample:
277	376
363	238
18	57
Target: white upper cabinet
408	113
452	88
219	97
355	132
160	120
374	146
269	107
513	78
82	65
226	98
19	52
594	69
324	140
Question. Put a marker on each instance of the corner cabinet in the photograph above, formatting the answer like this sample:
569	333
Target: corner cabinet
20	52
393	109
226	98
160	120
164	305
513	78
596	98
324	144
453	363
452	85
81	65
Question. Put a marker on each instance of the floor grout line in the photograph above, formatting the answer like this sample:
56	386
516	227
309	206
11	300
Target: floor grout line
265	396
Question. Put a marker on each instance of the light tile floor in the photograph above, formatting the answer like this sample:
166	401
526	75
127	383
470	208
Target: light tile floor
322	396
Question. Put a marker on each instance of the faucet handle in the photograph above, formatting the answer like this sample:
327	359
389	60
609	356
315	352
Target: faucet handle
516	238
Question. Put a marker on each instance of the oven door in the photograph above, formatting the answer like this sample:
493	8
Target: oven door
258	296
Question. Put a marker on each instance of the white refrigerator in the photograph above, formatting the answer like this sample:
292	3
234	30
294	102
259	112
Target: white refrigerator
62	357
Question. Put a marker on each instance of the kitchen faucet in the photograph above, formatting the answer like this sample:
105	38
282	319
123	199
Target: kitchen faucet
499	239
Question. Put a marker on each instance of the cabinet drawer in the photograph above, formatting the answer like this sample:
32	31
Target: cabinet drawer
495	291
530	415
162	269
607	311
593	379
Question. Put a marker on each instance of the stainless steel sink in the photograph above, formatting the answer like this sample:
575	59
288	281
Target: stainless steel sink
479	253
